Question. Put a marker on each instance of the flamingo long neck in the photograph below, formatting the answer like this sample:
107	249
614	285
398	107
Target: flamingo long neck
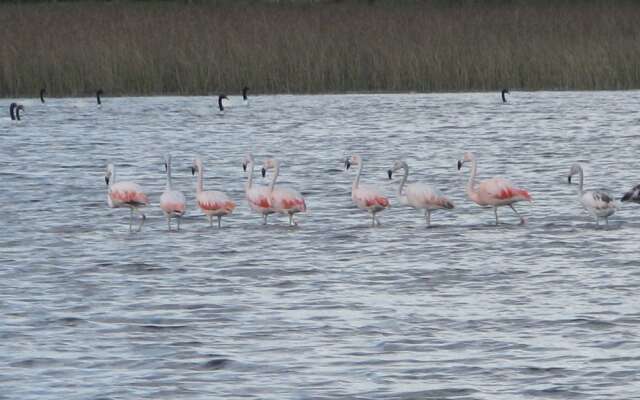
356	182
200	184
169	174
405	176
276	171
472	180
580	188
250	180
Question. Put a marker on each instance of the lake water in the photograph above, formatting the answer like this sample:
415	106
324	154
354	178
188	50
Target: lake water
331	308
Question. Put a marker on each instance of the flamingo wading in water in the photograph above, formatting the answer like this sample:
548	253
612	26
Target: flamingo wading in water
258	197
419	195
598	203
494	192
125	194
172	202
212	203
283	199
366	197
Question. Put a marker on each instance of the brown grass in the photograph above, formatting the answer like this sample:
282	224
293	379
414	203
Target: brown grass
199	48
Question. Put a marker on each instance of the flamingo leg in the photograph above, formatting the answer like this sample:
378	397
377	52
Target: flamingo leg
210	220
522	221
179	218
219	221
290	219
169	222
131	220
373	219
495	210
606	220
428	215
264	219
142	218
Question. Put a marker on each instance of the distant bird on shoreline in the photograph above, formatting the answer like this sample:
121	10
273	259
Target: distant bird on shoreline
220	98
98	94
14	111
495	192
504	91
42	92
244	95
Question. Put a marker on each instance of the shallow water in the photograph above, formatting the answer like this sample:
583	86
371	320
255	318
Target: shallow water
331	308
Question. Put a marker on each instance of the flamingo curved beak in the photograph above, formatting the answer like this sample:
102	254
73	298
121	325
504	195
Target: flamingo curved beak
569	179
264	172
460	164
347	164
193	171
244	167
390	173
106	180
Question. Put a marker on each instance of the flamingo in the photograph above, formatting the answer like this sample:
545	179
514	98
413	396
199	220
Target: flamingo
494	192
125	194
366	197
283	199
419	195
632	195
212	203
258	197
598	203
172	202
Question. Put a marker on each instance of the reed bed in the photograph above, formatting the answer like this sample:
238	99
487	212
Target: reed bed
143	48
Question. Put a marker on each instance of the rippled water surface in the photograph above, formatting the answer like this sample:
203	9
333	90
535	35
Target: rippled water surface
331	308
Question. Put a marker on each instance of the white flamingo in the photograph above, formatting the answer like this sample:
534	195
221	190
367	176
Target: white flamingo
495	192
598	203
419	195
283	199
212	203
366	197
125	195
172	202
258	197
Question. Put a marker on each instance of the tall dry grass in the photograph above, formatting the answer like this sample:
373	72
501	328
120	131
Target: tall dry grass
198	48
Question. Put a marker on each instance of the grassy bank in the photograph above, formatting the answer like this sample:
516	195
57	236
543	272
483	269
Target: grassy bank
194	48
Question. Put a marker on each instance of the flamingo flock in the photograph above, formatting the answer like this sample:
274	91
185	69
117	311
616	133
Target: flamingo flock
273	198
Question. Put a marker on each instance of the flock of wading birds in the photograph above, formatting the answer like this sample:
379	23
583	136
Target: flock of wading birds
265	200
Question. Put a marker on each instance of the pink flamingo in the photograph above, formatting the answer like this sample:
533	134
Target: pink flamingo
125	194
258	197
495	192
419	195
283	199
212	203
366	197
172	202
